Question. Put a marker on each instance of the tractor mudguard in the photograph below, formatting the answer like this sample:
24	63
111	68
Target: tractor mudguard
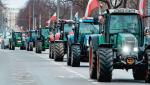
95	41
57	36
51	38
70	39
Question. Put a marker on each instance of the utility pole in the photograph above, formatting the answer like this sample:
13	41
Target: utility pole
40	19
29	18
58	3
33	15
71	10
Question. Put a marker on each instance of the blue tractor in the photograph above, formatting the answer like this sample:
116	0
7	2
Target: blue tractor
77	45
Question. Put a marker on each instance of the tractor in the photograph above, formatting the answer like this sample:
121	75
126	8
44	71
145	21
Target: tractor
16	41
64	27
77	45
42	41
119	45
30	40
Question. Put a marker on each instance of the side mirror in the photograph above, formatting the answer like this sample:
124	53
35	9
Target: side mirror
147	31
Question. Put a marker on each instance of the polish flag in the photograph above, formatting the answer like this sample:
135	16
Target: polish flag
54	17
92	4
142	7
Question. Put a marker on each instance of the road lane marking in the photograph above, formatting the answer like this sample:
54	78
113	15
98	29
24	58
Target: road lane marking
69	70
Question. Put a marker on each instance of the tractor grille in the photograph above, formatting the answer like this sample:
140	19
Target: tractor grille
130	41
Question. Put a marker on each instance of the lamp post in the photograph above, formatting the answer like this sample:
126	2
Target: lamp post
33	15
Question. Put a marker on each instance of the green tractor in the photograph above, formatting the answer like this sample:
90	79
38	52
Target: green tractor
42	41
30	40
120	45
16	41
77	45
59	45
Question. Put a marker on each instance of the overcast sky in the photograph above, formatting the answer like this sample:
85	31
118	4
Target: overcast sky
15	3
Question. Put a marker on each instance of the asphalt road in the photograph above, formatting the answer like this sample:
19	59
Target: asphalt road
28	68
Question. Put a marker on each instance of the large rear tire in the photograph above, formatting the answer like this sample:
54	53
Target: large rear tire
13	45
38	47
30	46
59	52
104	64
68	56
75	56
147	56
52	50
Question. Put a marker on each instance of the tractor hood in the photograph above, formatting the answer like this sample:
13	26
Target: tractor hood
127	43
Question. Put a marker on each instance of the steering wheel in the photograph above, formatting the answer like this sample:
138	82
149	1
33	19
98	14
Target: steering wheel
116	3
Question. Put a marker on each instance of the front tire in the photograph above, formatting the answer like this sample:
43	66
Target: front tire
59	52
75	56
104	64
147	56
38	47
68	56
30	46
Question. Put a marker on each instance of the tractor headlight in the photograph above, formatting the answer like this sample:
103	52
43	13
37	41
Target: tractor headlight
126	49
135	49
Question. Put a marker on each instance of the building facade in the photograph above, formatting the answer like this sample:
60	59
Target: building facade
11	15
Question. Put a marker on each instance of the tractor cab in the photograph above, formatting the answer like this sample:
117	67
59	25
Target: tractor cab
123	29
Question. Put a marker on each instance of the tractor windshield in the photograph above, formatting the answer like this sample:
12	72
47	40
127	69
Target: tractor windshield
89	28
45	32
34	34
17	35
124	23
68	28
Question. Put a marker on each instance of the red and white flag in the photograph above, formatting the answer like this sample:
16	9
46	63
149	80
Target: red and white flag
142	7
92	4
54	17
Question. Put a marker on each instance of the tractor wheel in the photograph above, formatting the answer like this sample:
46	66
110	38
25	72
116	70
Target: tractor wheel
21	48
68	56
9	46
59	52
50	51
13	46
2	45
104	64
43	49
75	56
27	47
92	63
147	79
139	73
38	47
30	47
